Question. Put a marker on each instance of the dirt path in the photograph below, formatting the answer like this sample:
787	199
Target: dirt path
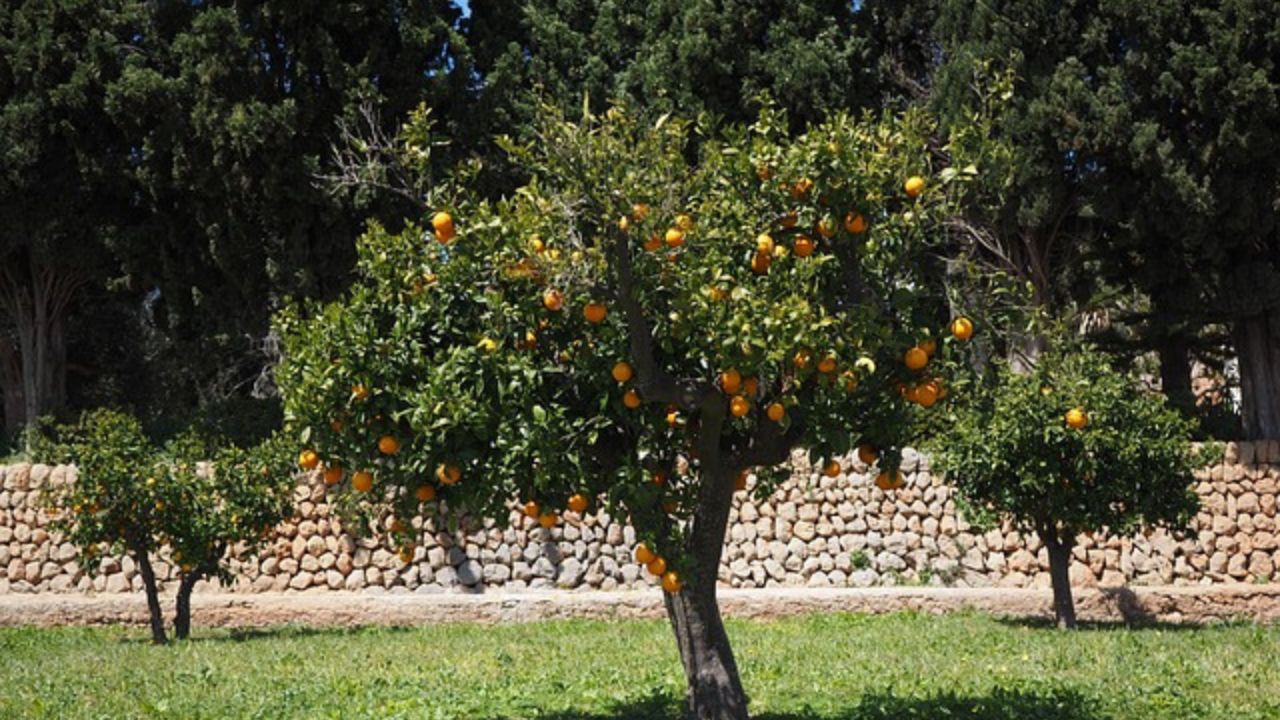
1146	604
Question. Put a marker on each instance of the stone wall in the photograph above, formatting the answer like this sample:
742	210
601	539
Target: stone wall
815	531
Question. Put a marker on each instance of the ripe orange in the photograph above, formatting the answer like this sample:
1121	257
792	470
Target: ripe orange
962	328
831	469
548	519
673	417
388	445
308	459
927	394
776	412
639	212
553	299
653	243
827	364
442	223
915	358
684	222
760	263
750	387
731	381
826	227
671	582
425	493
929	347
740	482
362	481
448	474
855	223
631	399
578	502
532	509
488	344
594	312
656	566
674	237
359	392
804	246
914	186
1076	418
333	474
764	243
801	188
789	220
536	244
801	359
622	371
644	555
867	454
406	554
887	482
850	380
739	406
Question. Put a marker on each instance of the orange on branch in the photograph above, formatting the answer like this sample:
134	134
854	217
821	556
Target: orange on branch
914	186
764	243
750	386
740	482
804	246
760	263
801	359
594	312
868	454
739	406
548	519
789	220
827	364
578	502
731	381
915	358
425	493
776	412
657	566
962	328
644	555
622	371
855	223
671	582
654	243
553	299
308	460
1077	418
674	237
801	188
362	481
826	227
532	509
442	224
831	469
333	474
631	399
448	474
388	445
684	222
639	212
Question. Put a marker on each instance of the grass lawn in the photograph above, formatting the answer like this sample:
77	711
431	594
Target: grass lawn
833	666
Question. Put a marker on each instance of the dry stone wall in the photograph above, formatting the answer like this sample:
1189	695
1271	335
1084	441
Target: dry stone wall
814	531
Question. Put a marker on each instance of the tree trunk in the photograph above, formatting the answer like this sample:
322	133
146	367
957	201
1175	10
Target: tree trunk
1175	372
1064	606
1257	340
182	615
714	687
11	387
143	558
36	303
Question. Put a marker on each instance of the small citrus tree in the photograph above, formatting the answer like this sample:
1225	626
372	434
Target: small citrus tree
1071	446
636	329
132	496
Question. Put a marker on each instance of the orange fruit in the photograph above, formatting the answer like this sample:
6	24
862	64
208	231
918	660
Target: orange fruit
739	406
622	371
578	502
308	459
928	346
927	394
804	246
776	412
684	222
388	445
673	417
831	469
406	554
425	493
624	223
639	212
553	299
1076	418
731	381
801	188
855	223
914	186
631	399
764	243
789	220
671	582
442	223
548	519
674	237
333	475
887	482
448	474
653	243
536	244
362	481
750	387
867	454
656	566
359	392
825	227
760	263
827	364
915	358
594	312
850	380
532	509
740	482
962	328
396	526
801	359
644	555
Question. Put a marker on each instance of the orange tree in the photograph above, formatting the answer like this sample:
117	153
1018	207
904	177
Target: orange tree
1067	447
133	496
636	327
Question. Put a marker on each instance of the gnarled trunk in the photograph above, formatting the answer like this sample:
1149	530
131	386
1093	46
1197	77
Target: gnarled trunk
714	686
36	303
1175	372
182	613
143	558
1064	607
1257	340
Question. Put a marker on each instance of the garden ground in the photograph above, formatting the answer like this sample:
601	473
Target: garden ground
848	666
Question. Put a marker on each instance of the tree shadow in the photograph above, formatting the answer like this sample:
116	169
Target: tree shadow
272	632
1133	616
1000	704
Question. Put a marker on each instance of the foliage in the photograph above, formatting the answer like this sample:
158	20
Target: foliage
898	666
462	352
1013	452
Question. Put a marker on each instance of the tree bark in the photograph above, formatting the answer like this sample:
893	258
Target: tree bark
1257	340
182	615
1175	372
1064	607
714	687
36	302
143	558
11	387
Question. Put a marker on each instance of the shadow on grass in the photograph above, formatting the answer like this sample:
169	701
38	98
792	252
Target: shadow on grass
1133	616
1059	704
273	632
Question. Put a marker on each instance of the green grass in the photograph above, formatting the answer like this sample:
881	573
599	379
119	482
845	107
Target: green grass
831	666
